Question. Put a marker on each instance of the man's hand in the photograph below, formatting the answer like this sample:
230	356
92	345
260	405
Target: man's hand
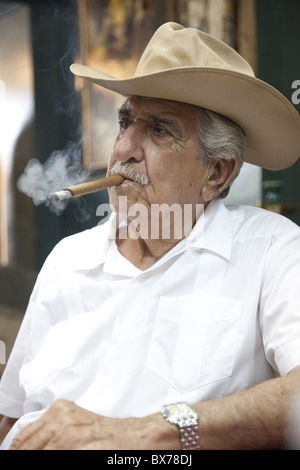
66	426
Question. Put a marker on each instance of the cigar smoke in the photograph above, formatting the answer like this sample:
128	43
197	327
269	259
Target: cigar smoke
62	169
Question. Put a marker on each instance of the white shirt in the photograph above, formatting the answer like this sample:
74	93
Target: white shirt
216	315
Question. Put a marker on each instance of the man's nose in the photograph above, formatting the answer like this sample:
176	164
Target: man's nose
129	144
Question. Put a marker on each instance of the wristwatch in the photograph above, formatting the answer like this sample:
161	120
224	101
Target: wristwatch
186	418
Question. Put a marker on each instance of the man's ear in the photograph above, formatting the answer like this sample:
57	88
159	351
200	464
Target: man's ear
221	173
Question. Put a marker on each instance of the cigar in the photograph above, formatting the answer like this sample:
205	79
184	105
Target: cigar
87	188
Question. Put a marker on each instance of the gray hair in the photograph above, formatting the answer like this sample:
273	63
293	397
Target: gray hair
220	137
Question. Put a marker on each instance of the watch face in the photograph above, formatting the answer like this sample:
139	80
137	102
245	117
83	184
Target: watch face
180	410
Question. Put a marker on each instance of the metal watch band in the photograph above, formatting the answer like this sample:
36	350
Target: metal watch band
189	434
186	420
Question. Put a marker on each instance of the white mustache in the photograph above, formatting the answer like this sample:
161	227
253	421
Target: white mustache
127	170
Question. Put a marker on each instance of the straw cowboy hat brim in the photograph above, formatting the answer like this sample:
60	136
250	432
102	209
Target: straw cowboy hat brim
222	81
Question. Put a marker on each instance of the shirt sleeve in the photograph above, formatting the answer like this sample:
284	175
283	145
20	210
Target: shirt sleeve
11	394
45	307
280	299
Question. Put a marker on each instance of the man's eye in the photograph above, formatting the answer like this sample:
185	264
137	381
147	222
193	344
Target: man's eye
124	124
160	130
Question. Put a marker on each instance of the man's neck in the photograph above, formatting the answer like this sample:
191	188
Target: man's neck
143	244
144	253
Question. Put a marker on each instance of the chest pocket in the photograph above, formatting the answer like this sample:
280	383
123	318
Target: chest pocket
194	340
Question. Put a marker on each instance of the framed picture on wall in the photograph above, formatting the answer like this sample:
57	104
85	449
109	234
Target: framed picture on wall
113	35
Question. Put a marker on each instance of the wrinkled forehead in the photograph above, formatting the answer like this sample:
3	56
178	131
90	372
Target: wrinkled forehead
181	115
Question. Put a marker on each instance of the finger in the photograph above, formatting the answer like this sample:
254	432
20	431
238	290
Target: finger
33	437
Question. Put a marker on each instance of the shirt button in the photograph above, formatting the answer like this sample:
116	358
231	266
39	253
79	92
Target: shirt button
143	278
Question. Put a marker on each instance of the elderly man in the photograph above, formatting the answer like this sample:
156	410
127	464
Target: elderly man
167	342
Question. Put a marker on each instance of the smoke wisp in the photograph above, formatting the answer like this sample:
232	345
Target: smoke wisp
62	169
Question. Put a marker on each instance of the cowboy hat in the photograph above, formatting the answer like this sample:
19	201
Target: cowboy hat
187	65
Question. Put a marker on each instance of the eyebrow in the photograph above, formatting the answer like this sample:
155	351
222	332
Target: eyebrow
172	124
124	112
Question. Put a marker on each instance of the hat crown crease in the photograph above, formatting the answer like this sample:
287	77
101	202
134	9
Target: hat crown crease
173	47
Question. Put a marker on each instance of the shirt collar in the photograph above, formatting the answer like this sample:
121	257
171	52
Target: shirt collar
213	230
95	245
